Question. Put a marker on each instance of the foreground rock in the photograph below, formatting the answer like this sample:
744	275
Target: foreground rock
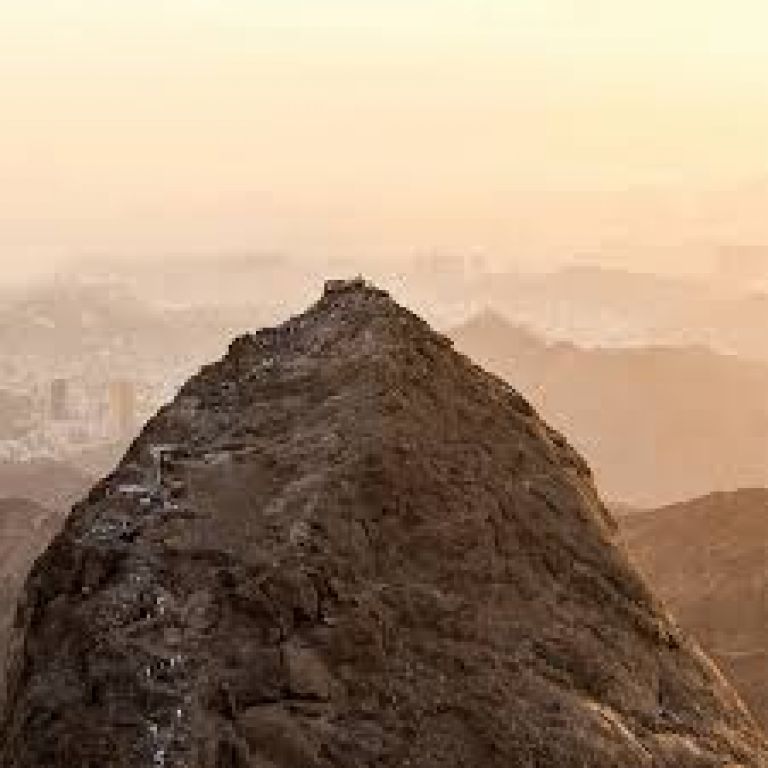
345	546
708	559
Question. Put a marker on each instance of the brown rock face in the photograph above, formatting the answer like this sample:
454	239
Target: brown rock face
342	546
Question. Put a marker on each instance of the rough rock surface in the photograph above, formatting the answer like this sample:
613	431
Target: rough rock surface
343	546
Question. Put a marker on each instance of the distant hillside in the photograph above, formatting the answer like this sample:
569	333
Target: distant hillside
35	497
56	326
593	306
26	528
657	424
19	518
52	484
708	559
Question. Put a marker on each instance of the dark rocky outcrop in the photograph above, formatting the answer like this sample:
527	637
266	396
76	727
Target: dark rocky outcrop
345	545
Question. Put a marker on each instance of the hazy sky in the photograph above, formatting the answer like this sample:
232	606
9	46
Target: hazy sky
527	128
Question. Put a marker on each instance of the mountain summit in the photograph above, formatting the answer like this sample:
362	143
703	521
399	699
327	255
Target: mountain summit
344	545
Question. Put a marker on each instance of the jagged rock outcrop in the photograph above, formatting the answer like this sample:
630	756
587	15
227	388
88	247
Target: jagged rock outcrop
342	546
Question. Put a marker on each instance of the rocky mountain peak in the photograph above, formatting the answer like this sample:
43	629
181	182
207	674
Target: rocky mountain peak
346	545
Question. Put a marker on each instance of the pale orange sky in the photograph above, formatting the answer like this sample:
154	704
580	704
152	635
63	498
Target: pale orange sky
528	128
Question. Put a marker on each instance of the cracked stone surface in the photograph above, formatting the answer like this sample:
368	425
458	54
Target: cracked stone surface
343	545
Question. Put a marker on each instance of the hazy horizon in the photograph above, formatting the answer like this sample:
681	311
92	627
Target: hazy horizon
533	134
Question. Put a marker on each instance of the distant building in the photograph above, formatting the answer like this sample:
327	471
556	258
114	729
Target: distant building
122	406
59	404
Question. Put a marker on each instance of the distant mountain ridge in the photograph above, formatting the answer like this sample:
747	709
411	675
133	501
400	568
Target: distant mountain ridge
596	306
62	322
657	424
26	529
35	498
51	484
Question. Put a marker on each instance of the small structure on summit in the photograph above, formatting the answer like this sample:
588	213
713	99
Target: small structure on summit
342	286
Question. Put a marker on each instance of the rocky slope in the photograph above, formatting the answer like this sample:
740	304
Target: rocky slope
708	559
344	545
